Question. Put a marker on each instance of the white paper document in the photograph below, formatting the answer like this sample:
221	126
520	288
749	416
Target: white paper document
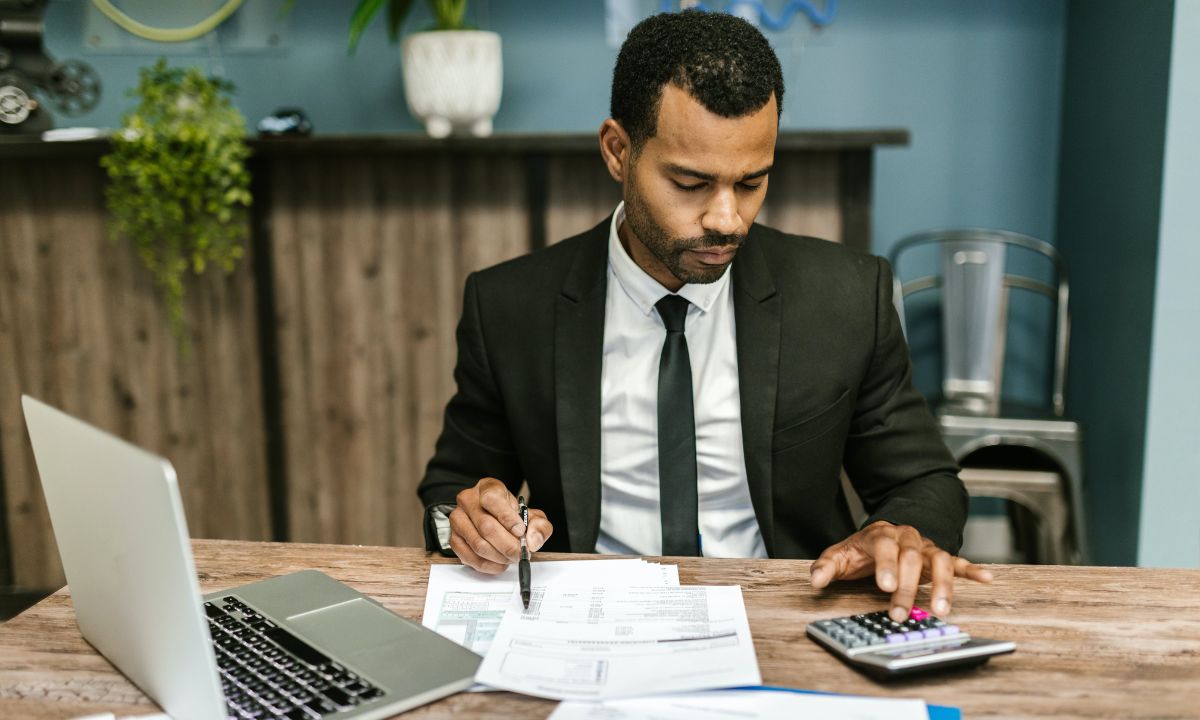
598	642
467	606
744	705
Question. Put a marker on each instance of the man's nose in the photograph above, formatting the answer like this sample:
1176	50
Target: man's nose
721	214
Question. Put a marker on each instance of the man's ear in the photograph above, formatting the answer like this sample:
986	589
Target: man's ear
616	149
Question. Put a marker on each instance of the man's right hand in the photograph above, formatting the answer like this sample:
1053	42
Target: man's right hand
486	529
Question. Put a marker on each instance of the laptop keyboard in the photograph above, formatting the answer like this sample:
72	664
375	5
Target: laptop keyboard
267	672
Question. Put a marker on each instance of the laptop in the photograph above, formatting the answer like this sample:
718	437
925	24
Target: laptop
301	645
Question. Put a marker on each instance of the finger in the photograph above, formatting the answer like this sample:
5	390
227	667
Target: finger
941	594
839	562
464	524
825	568
540	530
495	498
908	576
964	568
499	537
488	527
886	552
470	559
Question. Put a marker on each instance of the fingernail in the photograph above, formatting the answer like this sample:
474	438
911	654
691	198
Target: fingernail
987	576
535	540
888	581
940	606
518	529
899	614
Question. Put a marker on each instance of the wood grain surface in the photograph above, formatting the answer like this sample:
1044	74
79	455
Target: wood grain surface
82	328
319	371
1091	642
803	196
370	257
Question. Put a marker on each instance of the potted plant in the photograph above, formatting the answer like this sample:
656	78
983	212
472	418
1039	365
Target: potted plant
453	74
178	185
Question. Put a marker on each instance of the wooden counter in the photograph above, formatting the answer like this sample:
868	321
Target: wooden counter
319	370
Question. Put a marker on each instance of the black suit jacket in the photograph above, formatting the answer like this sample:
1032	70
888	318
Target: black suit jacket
824	375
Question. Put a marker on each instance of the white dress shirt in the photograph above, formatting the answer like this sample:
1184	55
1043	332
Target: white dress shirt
633	340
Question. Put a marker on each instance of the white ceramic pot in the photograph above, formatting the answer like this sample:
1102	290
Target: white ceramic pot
452	80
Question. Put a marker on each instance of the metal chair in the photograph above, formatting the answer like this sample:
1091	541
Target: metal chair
976	288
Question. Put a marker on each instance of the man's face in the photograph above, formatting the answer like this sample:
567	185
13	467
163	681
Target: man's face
695	188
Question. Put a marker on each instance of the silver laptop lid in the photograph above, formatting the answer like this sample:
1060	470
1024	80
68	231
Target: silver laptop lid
121	533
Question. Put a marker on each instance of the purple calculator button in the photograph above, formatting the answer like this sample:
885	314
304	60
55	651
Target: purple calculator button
914	635
949	629
895	637
932	632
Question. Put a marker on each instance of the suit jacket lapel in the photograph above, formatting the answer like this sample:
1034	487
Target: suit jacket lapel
756	308
578	353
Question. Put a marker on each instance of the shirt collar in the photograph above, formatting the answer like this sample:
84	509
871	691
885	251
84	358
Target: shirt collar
644	290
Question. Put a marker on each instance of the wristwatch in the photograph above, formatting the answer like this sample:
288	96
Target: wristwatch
437	528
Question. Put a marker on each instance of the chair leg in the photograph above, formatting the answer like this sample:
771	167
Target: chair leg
1060	549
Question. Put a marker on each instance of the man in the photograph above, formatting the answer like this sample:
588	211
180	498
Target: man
678	380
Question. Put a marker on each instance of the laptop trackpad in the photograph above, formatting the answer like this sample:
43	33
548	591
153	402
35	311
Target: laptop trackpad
358	629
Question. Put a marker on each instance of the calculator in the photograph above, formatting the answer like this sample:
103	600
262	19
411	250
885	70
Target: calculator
884	648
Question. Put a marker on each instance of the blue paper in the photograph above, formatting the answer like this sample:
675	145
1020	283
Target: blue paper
936	712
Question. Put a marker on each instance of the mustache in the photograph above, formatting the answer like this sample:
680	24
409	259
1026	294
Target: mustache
711	240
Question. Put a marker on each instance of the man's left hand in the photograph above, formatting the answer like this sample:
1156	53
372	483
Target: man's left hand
901	559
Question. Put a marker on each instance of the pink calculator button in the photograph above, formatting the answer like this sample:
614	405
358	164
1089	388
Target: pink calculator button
918	614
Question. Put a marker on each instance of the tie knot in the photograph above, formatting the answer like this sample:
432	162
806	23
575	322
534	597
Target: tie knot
673	311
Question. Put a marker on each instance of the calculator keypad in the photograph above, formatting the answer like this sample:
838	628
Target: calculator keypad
878	629
875	644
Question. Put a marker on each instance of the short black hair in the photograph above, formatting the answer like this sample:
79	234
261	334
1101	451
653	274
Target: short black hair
721	60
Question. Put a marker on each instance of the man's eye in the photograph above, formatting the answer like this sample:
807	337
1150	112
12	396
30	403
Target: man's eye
750	186
688	188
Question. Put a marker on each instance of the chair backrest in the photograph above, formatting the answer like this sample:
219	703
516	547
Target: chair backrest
976	285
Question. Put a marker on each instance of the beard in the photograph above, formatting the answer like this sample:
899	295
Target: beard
670	250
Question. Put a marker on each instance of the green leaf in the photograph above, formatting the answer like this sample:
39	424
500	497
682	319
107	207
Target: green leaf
397	12
363	14
449	14
178	184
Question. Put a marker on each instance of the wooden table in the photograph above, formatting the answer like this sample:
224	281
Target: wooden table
1091	641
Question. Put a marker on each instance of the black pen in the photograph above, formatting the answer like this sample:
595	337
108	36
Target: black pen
523	565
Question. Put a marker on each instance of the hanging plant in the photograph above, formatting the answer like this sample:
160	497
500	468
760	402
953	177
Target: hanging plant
178	186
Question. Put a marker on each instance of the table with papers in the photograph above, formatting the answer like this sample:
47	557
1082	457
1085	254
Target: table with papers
467	606
598	642
621	639
1080	631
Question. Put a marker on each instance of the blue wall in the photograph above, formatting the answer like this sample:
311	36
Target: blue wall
977	82
1170	527
1112	162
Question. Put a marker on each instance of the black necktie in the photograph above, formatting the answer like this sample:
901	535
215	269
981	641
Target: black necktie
676	436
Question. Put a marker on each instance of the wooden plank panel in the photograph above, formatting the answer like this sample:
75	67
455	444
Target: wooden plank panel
32	551
81	328
371	256
856	194
492	224
580	193
803	196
